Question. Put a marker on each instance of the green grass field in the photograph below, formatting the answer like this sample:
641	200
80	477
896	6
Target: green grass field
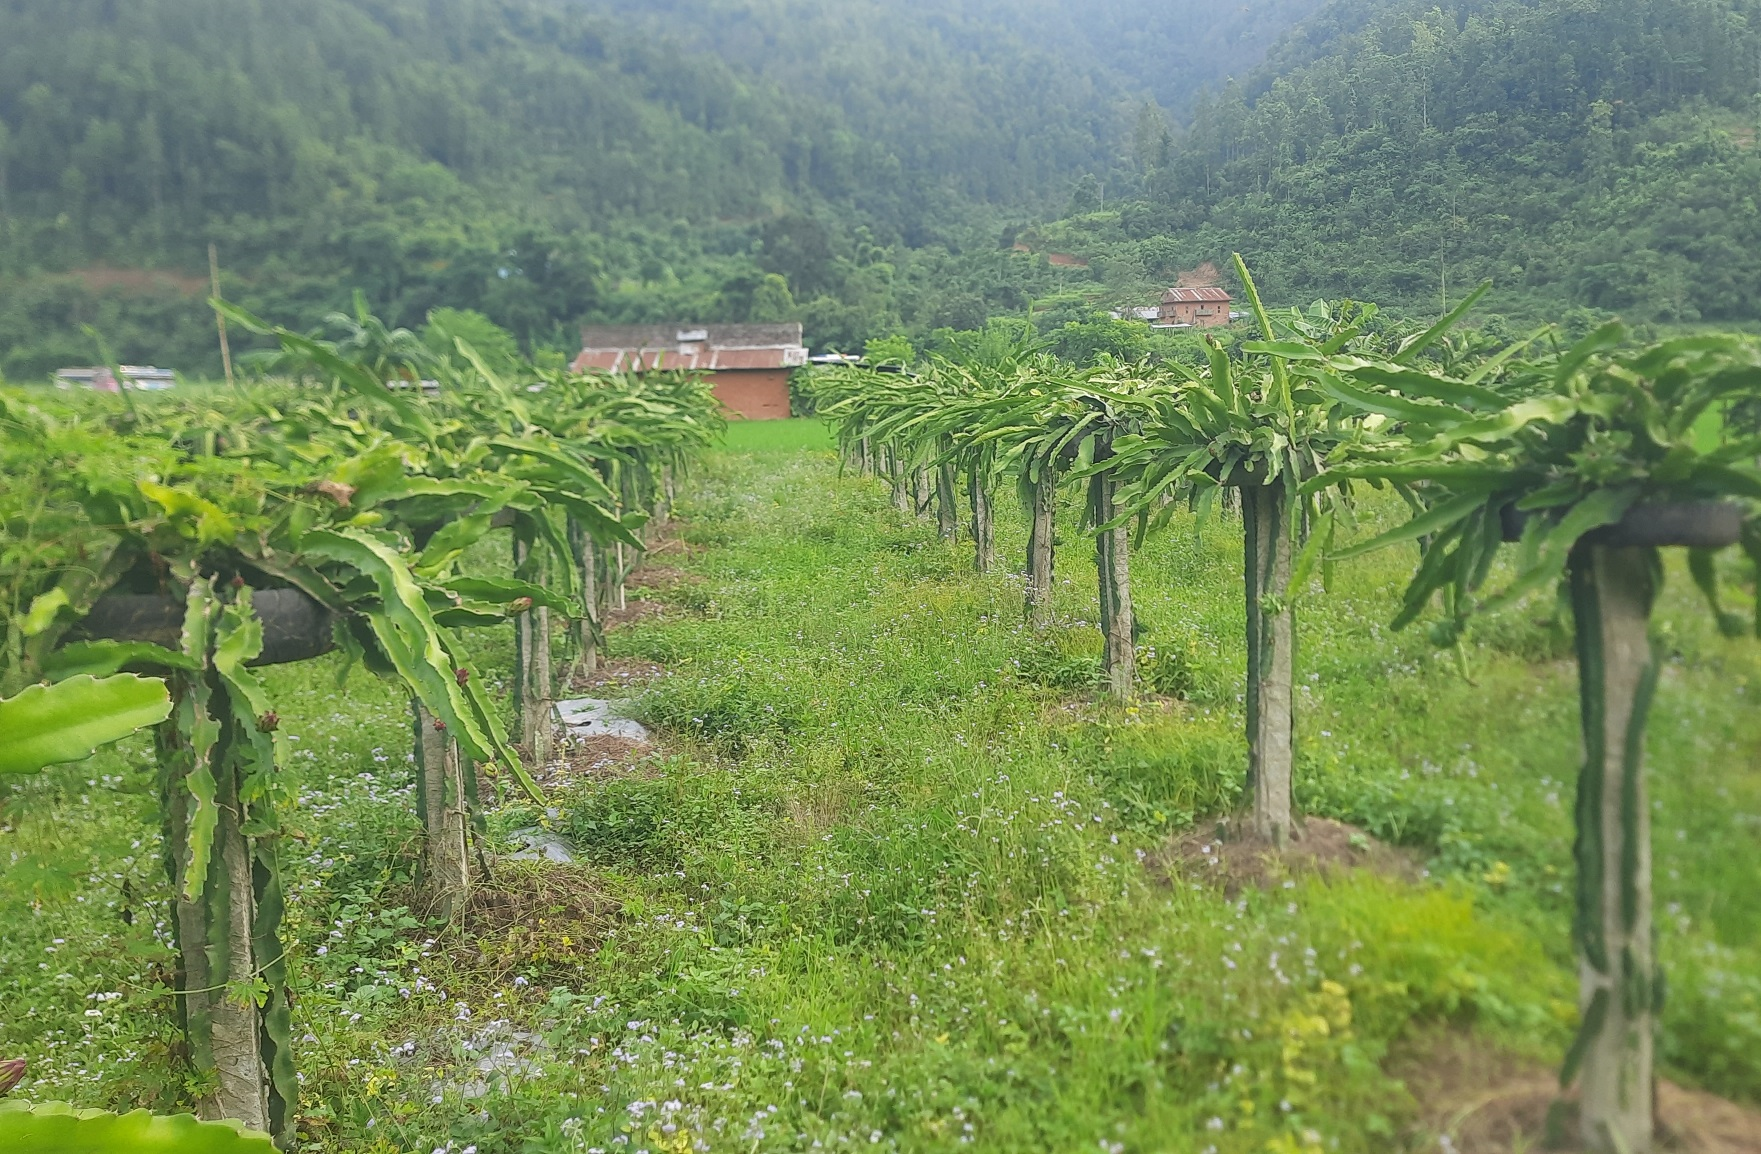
894	882
798	434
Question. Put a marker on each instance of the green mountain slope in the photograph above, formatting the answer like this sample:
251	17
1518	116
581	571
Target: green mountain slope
552	160
1005	99
1581	153
474	152
854	163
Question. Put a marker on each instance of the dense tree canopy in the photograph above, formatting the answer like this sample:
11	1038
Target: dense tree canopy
855	165
1593	156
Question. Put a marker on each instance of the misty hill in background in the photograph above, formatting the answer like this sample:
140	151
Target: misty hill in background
1584	156
864	167
550	160
1006	100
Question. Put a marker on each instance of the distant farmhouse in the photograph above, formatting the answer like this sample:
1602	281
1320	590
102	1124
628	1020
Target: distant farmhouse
749	365
103	380
1194	308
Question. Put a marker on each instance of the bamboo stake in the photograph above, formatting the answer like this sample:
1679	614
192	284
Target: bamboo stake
219	317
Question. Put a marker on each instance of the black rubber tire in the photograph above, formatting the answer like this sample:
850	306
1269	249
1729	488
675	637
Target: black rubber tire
1695	524
295	627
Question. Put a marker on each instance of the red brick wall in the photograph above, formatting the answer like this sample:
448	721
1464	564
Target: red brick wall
755	394
1207	315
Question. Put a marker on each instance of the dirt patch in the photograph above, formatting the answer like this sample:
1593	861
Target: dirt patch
1206	275
636	609
618	673
1743	136
1475	1099
671	541
1066	260
661	578
591	759
533	915
1221	854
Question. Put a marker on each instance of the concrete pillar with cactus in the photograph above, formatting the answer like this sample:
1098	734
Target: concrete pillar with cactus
533	689
984	542
586	628
1620	985
1271	643
1113	569
1041	550
445	873
947	501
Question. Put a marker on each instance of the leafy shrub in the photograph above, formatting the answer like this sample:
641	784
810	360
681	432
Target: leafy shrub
1450	961
623	822
665	646
1527	633
705	535
1181	670
1050	666
1165	777
1712	1021
696	600
732	714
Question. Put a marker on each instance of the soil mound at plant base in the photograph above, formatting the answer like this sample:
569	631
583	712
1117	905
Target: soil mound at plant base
592	759
1224	854
621	671
1475	1099
635	610
527	915
661	578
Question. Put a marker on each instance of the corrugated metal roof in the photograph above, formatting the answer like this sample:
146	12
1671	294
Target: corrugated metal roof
1188	295
666	336
704	348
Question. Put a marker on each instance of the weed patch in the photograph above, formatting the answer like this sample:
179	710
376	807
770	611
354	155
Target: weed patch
542	920
729	714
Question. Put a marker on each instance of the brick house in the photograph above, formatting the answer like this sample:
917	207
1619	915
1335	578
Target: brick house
749	365
1200	308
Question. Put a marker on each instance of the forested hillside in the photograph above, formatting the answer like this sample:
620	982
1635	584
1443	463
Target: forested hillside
865	167
544	161
494	155
1582	155
1004	99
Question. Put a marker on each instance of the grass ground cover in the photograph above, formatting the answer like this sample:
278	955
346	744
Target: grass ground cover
893	882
